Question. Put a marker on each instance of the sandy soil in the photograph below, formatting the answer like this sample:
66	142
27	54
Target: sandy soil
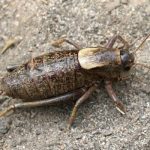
34	24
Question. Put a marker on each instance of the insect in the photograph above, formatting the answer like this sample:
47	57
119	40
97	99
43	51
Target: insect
61	75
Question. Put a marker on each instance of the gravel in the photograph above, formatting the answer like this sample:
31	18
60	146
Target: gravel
89	23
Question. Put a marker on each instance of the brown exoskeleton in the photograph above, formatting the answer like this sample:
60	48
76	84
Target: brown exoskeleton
62	75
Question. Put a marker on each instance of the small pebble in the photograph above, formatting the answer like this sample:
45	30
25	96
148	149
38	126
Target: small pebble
4	125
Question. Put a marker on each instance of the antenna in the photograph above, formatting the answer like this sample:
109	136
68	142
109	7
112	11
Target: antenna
141	43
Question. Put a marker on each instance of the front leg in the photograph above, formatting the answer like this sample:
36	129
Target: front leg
119	105
59	42
112	41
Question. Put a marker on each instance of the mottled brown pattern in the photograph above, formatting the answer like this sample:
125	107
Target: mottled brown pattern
58	73
45	76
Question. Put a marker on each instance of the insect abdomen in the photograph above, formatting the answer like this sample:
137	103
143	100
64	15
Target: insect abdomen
50	75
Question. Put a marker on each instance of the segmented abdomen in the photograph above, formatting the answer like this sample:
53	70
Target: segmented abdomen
45	76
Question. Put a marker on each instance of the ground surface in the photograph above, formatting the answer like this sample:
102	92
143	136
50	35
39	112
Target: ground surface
90	23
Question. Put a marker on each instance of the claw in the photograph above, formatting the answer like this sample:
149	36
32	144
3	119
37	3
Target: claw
120	107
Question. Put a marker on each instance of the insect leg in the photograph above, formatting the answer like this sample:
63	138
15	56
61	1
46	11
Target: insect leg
54	100
31	64
119	105
112	41
83	98
59	42
74	44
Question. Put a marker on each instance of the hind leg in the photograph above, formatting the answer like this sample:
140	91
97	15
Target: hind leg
54	100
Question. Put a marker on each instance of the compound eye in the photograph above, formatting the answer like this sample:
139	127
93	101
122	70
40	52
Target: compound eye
125	58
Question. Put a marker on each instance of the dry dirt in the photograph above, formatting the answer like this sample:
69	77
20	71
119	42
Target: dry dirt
35	23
